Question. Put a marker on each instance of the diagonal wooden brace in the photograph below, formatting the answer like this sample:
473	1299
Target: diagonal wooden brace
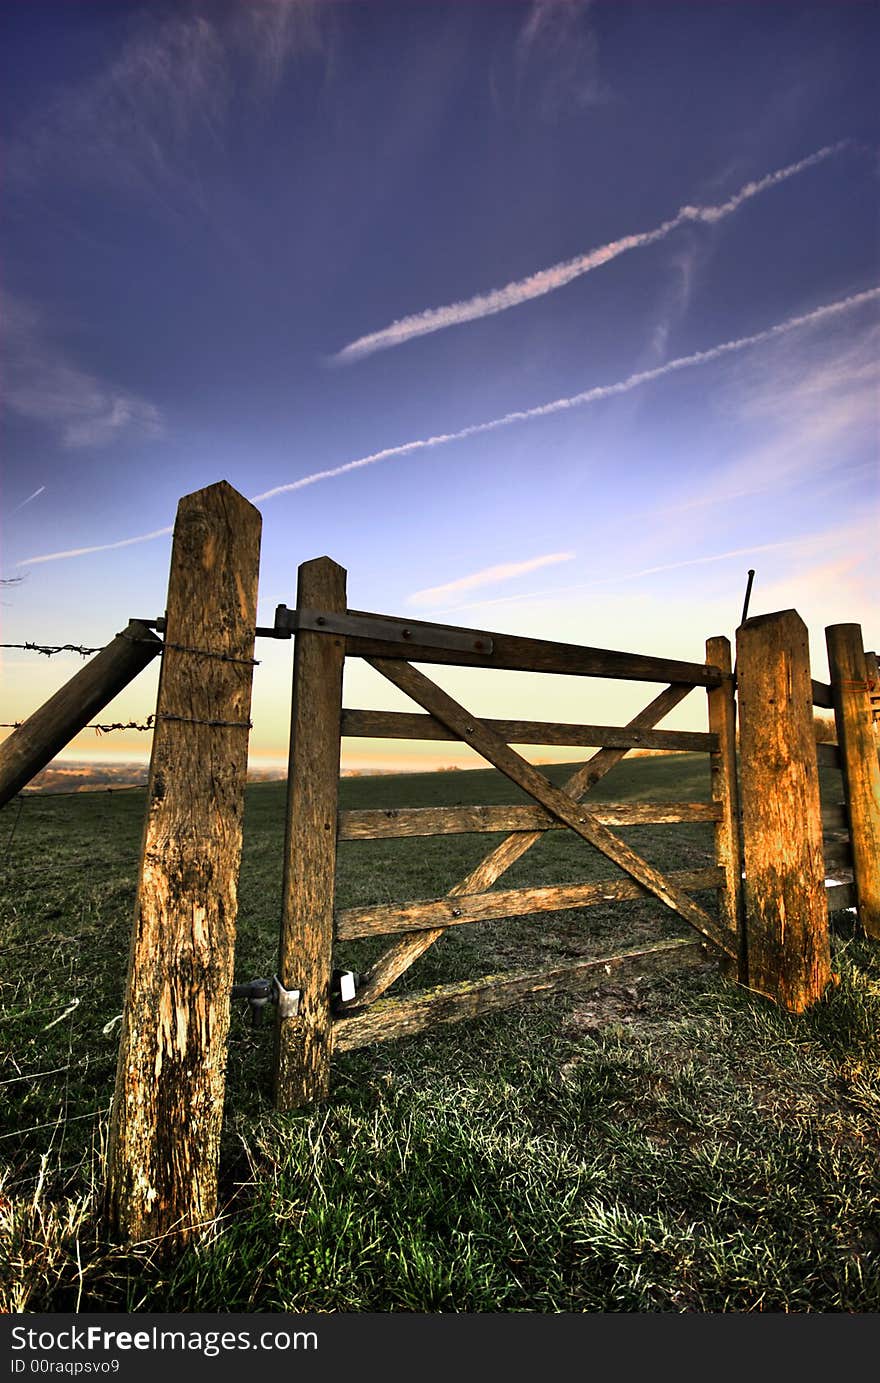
406	949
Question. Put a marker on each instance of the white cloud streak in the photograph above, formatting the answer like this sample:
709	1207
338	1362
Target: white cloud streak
620	576
605	391
489	576
558	275
29	500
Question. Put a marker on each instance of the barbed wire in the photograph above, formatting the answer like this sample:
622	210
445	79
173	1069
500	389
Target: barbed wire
149	724
50	649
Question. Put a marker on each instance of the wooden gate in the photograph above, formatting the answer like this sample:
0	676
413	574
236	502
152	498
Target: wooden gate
310	1027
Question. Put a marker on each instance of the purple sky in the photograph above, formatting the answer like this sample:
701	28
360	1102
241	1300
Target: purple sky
551	318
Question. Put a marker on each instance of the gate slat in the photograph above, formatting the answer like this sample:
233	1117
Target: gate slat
401	954
438	703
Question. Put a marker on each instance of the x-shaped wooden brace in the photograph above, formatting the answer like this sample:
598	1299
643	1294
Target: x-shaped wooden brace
562	802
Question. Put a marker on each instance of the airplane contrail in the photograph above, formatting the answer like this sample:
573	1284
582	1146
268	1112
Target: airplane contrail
543	410
602	391
35	495
548	280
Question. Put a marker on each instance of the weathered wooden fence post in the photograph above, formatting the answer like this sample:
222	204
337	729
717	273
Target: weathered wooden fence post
725	792
168	1105
858	760
786	917
36	742
303	1039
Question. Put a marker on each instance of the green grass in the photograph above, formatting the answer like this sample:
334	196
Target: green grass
675	1144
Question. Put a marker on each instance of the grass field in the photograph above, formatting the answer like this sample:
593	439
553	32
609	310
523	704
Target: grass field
674	1144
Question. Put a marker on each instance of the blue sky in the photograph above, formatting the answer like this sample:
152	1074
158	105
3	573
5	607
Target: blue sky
261	242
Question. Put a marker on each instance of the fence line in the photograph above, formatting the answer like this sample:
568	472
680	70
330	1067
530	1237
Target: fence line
164	1131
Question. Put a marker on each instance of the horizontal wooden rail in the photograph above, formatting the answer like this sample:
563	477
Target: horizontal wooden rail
837	854
834	817
428	913
441	821
839	896
828	755
405	725
514	653
388	1019
822	695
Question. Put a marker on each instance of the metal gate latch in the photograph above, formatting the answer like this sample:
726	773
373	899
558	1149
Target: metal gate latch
286	999
259	993
344	985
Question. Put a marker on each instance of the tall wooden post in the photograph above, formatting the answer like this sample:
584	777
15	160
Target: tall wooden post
36	742
303	1039
786	917
168	1106
858	761
725	792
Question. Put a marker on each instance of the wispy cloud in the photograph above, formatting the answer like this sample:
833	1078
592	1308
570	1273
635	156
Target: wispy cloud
557	59
558	275
826	313
489	576
813	407
138	124
599	581
42	384
30	498
851	539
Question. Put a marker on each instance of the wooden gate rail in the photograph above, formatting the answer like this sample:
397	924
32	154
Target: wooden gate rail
475	734
513	653
406	950
427	913
393	822
450	1003
403	725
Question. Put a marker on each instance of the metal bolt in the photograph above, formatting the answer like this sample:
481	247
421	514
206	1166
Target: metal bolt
469	729
320	620
456	912
406	633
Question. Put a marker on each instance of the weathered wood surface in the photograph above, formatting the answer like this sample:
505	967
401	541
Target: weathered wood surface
428	913
822	695
392	1018
168	1104
438	703
873	676
786	921
39	738
513	652
406	725
828	755
395	822
725	794
302	1042
401	954
861	770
